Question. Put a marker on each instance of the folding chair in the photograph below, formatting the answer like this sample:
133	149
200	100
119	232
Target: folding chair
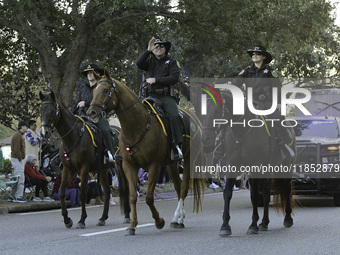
6	187
29	191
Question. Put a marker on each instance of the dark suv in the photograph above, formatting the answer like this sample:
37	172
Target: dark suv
317	164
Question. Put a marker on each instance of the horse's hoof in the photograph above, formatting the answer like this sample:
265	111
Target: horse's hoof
101	223
225	231
126	220
253	231
80	225
288	223
130	232
161	225
174	225
70	224
181	225
263	227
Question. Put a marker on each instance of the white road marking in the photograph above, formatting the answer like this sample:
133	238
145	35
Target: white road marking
115	230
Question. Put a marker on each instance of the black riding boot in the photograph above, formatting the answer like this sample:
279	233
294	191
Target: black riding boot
283	134
176	153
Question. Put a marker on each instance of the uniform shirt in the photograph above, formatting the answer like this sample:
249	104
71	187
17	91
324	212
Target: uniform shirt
257	78
164	70
85	94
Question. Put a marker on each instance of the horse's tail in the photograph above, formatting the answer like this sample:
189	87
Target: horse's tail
198	185
283	190
123	188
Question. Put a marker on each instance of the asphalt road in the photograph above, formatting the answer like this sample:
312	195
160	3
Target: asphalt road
315	231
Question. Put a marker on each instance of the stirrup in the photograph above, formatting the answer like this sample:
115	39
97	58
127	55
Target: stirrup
176	153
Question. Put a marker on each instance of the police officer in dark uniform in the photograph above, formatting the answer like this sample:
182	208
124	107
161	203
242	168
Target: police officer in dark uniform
85	95
84	99
256	76
162	73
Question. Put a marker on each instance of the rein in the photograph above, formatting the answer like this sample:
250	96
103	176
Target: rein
52	125
114	89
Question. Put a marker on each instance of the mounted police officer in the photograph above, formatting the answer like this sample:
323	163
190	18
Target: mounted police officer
256	76
162	73
84	99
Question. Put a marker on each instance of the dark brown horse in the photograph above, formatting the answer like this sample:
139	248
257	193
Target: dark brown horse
248	147
144	144
77	152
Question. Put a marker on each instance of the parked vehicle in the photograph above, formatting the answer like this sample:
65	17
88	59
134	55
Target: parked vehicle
318	158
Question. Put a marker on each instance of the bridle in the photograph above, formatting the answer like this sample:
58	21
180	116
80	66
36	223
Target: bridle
56	118
113	89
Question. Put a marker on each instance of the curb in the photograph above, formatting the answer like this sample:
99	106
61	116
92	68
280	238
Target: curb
10	207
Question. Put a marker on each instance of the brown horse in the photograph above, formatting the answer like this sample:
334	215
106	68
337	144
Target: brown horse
77	152
250	146
143	144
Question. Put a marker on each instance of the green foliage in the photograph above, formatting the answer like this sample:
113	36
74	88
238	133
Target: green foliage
8	168
45	43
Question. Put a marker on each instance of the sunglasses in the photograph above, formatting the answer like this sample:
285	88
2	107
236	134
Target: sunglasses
159	46
257	53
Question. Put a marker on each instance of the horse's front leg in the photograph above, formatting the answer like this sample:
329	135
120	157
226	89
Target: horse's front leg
106	190
266	199
65	182
225	229
123	192
254	195
131	174
154	172
83	197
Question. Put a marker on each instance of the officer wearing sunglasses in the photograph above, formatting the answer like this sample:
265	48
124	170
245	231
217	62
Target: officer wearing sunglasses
256	76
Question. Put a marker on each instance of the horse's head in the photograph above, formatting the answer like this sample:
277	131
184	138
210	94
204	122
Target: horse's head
49	113
104	97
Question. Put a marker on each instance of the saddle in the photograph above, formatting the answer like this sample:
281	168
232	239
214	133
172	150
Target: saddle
155	106
97	138
277	139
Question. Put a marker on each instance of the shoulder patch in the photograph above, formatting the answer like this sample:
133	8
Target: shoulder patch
242	72
275	73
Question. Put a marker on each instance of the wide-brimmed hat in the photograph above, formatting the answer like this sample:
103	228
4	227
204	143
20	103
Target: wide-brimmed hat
166	44
263	51
93	67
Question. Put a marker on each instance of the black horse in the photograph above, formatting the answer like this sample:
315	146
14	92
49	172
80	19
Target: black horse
78	154
250	146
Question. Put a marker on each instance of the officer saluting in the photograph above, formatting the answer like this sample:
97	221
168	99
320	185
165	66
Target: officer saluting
162	73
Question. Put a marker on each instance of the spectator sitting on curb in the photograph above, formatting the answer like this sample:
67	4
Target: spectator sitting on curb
72	192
